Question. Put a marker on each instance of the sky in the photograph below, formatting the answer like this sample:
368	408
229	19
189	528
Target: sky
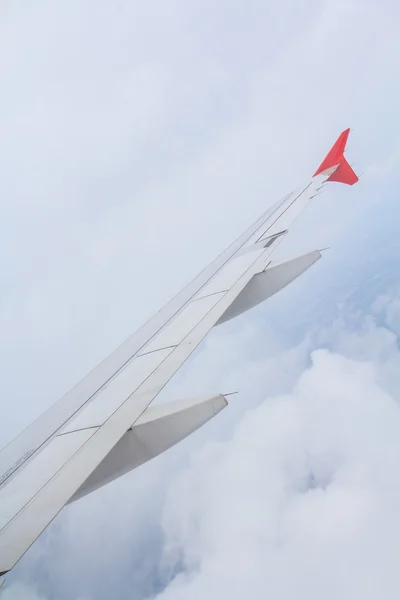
138	140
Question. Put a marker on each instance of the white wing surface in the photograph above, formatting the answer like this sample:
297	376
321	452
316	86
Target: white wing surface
105	426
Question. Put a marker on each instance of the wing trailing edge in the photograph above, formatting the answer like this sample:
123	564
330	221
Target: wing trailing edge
342	173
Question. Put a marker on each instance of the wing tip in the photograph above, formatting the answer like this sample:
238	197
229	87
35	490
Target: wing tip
343	173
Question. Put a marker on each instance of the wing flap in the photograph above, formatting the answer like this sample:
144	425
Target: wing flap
117	391
176	331
225	279
38	473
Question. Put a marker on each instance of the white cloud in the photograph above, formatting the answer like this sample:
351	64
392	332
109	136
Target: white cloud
388	305
19	591
302	501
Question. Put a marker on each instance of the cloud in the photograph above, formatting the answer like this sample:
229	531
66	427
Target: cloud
388	306
20	591
301	501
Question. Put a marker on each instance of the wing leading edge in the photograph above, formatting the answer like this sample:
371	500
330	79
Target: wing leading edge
104	426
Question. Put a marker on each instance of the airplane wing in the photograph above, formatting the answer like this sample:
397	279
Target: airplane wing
105	426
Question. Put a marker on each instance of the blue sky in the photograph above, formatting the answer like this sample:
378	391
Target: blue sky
138	141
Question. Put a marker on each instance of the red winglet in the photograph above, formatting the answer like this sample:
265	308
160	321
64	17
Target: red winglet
335	157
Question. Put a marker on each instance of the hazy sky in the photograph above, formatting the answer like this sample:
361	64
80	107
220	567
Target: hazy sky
138	139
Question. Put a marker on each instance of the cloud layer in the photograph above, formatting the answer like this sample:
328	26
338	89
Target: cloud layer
302	501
